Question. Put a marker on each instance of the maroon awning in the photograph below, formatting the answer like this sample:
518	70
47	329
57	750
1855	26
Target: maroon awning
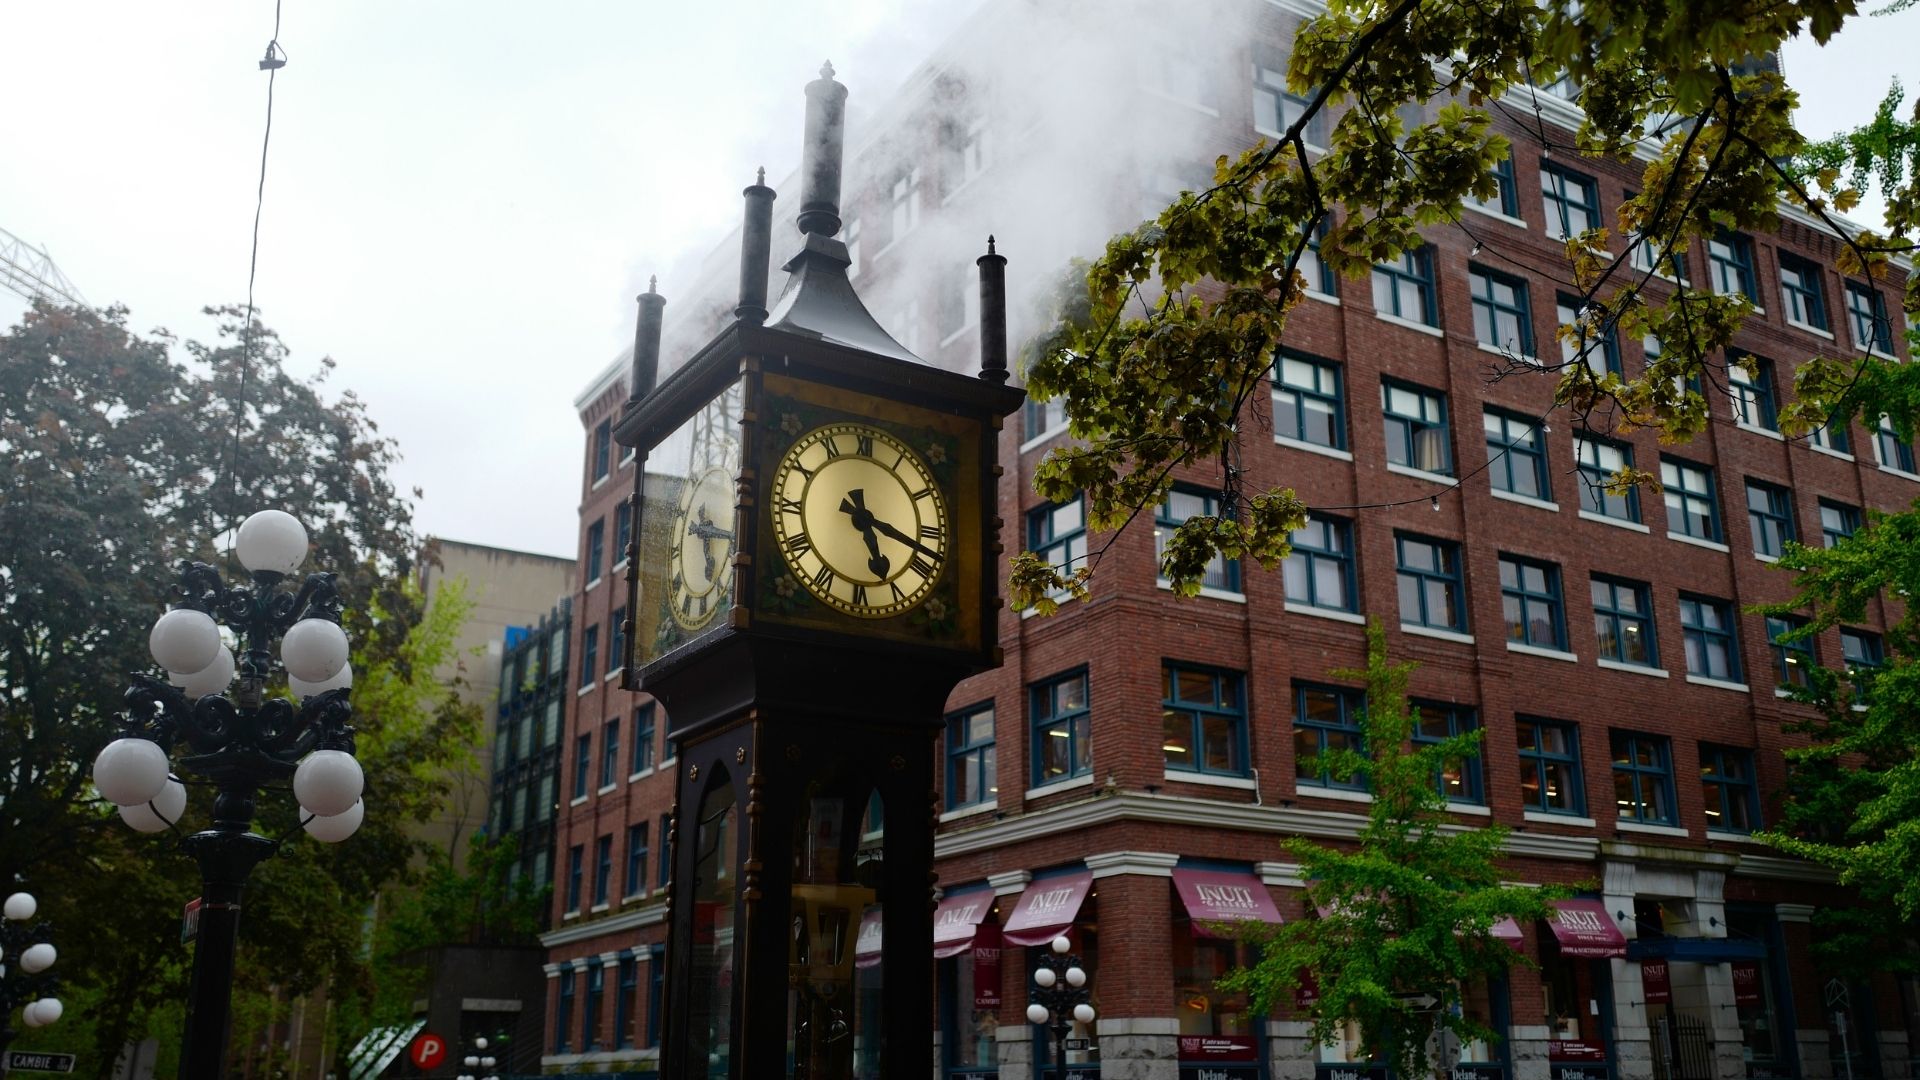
866	948
1223	896
957	919
1584	929
1509	931
1046	909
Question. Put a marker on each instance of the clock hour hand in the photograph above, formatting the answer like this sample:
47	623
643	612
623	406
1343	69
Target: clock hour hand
893	533
855	507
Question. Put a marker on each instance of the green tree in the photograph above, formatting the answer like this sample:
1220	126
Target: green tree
124	454
1409	909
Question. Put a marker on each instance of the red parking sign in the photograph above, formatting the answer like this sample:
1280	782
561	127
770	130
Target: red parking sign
428	1050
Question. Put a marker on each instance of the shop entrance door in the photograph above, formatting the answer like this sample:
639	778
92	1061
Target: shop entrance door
1682	1047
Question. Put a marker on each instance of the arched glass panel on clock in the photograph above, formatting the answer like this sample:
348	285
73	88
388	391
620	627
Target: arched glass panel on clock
834	984
688	531
714	831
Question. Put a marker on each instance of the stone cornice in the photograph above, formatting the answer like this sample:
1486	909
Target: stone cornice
586	931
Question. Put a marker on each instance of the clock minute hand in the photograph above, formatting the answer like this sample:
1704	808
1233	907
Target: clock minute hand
896	534
855	507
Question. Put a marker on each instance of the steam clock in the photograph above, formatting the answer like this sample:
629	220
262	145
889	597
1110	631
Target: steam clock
812	571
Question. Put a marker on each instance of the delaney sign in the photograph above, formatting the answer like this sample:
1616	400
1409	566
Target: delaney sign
28	1061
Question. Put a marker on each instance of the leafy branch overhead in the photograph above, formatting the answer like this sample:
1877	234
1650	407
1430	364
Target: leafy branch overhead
1158	348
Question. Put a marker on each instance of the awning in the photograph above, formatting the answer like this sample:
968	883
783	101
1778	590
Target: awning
1213	897
1696	950
1047	908
1584	929
1509	931
957	919
372	1054
866	948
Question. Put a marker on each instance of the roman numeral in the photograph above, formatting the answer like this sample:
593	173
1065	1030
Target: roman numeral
790	506
898	596
863	445
921	566
798	544
859	594
686	604
923	493
932	532
832	448
824	579
803	470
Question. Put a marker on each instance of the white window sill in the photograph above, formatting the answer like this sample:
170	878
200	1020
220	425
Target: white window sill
597	908
588	587
605	788
1206	110
1636	669
1719	684
628	456
1470	808
578	800
1810	328
584	691
1316	294
1535	650
1043	437
1209	592
1618	523
1758	430
1432	632
1650	830
1766	558
969	811
1062	600
1829	451
1313	448
1244	783
1901	473
570	915
601	482
1510	354
1542	817
1782	692
617	567
1871	351
1422	474
1058	786
641	775
1525	500
1342	794
1396	320
1325	613
1494	214
1281	136
612	675
1710	545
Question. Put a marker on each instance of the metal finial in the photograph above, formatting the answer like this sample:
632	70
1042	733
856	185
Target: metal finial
653	282
989	243
761	176
826	70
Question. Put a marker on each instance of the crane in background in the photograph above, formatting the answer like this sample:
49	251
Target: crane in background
29	271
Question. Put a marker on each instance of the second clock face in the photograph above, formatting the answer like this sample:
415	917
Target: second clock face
702	548
860	520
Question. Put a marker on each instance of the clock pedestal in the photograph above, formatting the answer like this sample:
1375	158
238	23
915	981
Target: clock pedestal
812	571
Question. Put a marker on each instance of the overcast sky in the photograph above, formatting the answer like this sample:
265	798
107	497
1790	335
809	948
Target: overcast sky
463	198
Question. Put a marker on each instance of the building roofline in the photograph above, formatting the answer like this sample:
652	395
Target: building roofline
432	539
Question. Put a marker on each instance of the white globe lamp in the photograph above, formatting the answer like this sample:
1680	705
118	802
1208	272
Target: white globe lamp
20	907
328	782
184	640
302	689
212	679
37	958
271	541
337	827
1061	944
48	1010
1076	978
480	1043
314	650
472	1061
1043	976
1037	1014
159	814
130	771
1083	1012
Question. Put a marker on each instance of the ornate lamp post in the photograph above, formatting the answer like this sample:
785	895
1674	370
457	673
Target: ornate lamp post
477	1058
25	956
239	740
1060	996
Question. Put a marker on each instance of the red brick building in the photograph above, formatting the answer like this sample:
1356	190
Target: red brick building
1136	746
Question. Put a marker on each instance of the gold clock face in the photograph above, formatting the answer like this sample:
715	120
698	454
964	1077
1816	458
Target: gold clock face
860	520
703	542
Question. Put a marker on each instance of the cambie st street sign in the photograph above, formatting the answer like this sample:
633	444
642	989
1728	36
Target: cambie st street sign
29	1061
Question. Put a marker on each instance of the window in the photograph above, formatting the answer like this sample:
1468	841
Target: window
1043	417
1828	436
1801	293
602	869
1752	391
1275	108
1458	781
656	990
610	754
1770	517
616	640
1642	778
1793	658
1416	422
1325	718
1320	277
1643	257
666	747
622	535
1692	509
1431	592
1572	202
1203	720
1516	455
576	866
971	779
596	549
602	450
1623	622
589	655
1601	356
590	1019
1501	318
1895	452
1550	766
1730	265
1732	797
1707	625
1506	197
582	764
976	152
643	738
1319	570
636	860
628	991
906	204
563	1014
1062	729
1307	402
1404	288
1599	462
1867	314
1058	534
665	869
1180	504
1838	521
1863	652
1530	600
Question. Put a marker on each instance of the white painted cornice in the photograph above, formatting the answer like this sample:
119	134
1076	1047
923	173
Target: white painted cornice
626	920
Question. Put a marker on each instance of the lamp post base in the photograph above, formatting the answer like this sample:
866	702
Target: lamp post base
226	858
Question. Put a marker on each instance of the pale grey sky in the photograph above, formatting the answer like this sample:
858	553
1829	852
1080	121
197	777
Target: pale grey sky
463	198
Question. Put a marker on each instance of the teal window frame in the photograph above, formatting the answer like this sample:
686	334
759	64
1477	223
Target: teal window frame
971	756
1500	300
576	875
602	869
1219	718
1391	283
1710	627
603	450
1439	721
1803	292
637	851
1549	766
1755	403
596	549
563	1012
623	1002
1566	309
1569	199
1595	474
1867	316
582	763
1838	521
1417	437
1052	717
1517	455
1793	661
1693	506
1769	517
610	753
1442	571
1221	573
1338	720
1304	388
644	724
1643	788
1623	613
1728	783
1730	266
1322	543
1531	603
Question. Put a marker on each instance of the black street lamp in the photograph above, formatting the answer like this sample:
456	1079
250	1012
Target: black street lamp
1060	996
478	1062
25	956
239	742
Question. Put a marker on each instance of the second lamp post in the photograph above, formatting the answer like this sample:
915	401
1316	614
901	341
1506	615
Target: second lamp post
1060	996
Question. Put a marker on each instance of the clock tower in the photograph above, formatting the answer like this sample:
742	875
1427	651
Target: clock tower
812	570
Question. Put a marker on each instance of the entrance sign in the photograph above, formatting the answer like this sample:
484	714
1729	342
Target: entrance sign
1218	1057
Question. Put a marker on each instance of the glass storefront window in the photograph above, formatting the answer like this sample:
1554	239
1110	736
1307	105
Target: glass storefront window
1198	964
970	1033
1476	1004
1560	986
1348	1048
